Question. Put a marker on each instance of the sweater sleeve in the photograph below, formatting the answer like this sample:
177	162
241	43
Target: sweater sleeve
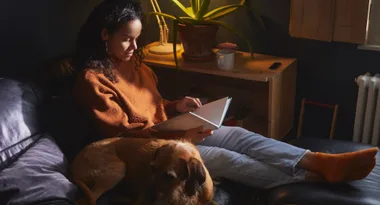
103	104
170	106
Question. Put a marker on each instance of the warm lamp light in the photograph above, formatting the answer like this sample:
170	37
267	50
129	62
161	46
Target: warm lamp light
162	47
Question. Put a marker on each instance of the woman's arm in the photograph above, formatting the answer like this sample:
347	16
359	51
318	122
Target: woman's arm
171	107
103	104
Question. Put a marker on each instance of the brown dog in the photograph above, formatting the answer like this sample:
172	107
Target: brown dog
156	171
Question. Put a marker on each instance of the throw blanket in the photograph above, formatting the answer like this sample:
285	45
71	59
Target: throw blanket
38	175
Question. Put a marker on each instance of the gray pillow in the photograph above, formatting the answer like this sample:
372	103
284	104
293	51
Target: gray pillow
19	119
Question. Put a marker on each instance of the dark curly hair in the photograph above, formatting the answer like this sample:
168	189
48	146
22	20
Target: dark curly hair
91	49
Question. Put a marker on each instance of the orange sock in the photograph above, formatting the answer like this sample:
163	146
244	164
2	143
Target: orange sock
344	167
314	177
362	172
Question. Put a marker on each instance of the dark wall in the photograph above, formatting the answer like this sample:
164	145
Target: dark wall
34	31
326	71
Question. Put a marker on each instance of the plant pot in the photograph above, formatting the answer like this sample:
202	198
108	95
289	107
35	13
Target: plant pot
197	41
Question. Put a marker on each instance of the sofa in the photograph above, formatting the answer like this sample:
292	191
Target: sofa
33	168
40	133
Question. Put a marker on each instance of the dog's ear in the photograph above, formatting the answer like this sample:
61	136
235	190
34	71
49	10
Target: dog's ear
197	176
184	172
152	163
157	152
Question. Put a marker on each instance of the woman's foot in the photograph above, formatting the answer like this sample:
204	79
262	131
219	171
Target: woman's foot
340	167
364	169
313	177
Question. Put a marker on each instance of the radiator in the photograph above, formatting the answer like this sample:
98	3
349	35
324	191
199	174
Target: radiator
367	115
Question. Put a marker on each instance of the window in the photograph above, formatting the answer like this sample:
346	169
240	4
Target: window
373	26
330	20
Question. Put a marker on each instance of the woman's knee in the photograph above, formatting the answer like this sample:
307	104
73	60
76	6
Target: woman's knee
240	133
215	156
233	130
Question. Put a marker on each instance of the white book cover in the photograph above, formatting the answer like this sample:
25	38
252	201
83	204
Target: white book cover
210	116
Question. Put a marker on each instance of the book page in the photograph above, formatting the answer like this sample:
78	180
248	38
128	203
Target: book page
185	122
210	116
214	111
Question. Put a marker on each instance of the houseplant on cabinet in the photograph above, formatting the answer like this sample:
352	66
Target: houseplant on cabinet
197	29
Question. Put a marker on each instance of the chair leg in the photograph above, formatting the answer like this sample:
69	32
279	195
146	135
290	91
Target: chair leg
333	122
300	120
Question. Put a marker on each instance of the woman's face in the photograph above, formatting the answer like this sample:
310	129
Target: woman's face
122	44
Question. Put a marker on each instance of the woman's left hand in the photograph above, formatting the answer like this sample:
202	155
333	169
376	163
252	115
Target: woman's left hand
188	104
197	135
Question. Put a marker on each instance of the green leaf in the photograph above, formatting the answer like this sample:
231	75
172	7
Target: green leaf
190	11
187	11
195	4
189	21
224	25
203	9
222	11
175	30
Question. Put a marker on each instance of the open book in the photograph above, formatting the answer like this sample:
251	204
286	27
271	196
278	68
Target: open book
210	116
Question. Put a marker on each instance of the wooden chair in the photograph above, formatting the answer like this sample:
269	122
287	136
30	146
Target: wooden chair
302	112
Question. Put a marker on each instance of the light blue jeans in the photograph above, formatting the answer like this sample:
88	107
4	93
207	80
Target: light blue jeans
249	158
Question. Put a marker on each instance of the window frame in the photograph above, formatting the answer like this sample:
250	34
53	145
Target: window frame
372	31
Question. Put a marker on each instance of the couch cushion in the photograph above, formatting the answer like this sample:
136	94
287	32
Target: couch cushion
19	119
361	192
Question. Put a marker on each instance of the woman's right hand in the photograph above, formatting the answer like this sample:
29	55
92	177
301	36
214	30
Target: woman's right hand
197	135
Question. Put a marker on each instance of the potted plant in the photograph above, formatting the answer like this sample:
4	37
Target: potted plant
197	29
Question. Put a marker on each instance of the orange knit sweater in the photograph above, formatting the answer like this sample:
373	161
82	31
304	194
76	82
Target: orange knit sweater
130	106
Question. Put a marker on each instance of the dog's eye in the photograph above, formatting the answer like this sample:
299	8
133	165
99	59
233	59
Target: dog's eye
169	175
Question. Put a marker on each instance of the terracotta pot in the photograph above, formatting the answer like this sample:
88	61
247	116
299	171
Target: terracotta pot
198	41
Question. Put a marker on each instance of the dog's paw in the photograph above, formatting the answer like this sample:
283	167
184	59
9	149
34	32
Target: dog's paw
120	200
82	201
212	203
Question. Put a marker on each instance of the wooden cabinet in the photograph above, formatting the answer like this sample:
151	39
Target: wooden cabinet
269	94
329	20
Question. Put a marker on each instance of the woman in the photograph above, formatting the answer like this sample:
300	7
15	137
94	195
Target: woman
121	95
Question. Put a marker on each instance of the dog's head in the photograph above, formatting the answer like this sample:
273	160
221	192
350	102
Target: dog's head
177	164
